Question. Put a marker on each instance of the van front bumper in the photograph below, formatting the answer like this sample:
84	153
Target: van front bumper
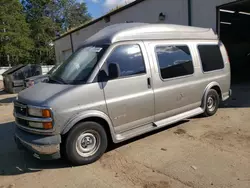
42	147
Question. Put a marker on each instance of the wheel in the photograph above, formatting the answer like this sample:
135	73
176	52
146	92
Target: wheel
212	103
85	143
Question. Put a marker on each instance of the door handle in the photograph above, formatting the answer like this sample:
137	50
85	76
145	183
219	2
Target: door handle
149	82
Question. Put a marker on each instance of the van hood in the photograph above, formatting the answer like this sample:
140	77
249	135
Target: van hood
42	93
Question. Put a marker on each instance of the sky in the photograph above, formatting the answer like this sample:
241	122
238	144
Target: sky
98	8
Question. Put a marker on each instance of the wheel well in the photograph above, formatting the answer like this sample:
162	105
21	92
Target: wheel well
218	90
102	122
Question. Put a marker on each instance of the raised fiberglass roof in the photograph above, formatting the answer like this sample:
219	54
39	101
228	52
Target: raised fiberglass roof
144	31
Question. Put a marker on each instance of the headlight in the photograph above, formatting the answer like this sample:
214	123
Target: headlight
38	125
39	112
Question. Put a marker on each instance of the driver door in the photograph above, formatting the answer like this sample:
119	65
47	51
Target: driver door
129	97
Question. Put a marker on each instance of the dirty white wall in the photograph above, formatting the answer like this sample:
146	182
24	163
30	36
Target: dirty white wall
2	70
148	11
62	45
204	12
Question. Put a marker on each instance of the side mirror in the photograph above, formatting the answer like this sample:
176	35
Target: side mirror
102	76
114	70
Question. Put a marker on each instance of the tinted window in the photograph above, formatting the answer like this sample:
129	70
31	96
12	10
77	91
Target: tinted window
211	57
174	61
129	59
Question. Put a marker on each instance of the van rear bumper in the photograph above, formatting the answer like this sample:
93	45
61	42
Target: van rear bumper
42	147
226	95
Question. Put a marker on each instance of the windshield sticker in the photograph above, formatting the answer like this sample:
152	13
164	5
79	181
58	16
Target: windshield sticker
94	49
77	66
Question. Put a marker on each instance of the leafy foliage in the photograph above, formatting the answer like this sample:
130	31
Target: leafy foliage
16	44
39	14
71	14
30	40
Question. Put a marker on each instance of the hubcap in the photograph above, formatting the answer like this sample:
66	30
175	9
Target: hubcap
88	143
211	103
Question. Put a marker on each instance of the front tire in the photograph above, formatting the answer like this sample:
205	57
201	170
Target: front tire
85	143
212	103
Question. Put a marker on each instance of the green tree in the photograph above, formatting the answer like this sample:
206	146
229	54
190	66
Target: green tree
40	16
71	14
49	17
16	45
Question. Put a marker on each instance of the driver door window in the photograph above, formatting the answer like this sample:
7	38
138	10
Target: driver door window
129	60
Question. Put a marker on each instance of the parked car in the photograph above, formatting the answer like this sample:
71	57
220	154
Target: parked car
122	82
40	78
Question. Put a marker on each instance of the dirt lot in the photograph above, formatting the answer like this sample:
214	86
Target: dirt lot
200	152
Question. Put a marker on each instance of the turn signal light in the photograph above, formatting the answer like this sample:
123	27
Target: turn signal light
47	125
46	113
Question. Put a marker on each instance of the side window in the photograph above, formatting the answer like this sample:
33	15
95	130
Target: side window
211	57
129	59
174	61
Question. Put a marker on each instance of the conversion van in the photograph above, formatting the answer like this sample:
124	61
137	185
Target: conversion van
124	81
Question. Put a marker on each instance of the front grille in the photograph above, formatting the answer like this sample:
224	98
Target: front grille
21	109
22	122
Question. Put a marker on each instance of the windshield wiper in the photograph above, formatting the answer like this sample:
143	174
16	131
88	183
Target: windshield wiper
58	80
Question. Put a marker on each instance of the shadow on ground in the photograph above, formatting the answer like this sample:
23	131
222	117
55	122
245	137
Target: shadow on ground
240	97
15	162
6	98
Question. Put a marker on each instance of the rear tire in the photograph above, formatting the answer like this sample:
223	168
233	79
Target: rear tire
85	143
211	103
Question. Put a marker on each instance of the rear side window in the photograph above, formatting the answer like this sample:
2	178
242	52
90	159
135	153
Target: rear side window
211	57
174	61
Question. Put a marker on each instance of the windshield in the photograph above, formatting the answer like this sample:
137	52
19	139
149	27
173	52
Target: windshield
78	67
53	69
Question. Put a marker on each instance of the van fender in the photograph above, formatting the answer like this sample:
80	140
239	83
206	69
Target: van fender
89	114
209	86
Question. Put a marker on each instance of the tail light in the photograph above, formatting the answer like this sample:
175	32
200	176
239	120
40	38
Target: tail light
228	59
223	46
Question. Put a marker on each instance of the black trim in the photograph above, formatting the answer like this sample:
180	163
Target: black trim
218	13
190	12
217	20
232	3
101	18
71	42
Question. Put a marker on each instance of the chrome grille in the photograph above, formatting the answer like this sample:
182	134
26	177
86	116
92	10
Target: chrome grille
22	122
21	109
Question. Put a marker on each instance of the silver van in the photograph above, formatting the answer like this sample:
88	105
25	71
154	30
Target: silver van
126	80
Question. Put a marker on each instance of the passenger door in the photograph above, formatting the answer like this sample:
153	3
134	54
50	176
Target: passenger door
174	78
129	98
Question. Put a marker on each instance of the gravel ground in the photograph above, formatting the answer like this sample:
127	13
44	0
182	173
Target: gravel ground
199	152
